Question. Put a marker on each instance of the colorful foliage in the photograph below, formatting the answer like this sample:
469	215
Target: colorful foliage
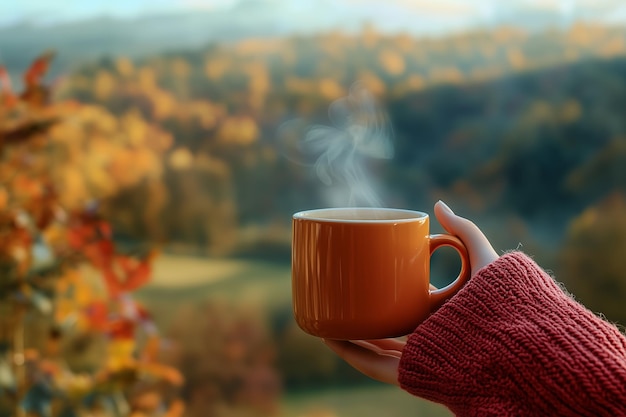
50	226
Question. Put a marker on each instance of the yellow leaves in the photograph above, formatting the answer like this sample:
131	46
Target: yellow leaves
75	386
160	141
259	83
163	104
181	159
592	256
392	62
259	79
43	193
256	46
330	89
581	34
124	67
120	354
215	68
72	187
446	75
516	59
134	128
331	44
587	220
238	131
103	85
65	282
74	294
55	235
130	166
370	36
100	182
147	163
181	68
103	154
147	79
404	42
614	46
206	113
66	133
372	83
94	117
26	187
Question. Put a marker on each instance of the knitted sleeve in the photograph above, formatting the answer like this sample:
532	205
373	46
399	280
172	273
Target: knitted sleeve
513	343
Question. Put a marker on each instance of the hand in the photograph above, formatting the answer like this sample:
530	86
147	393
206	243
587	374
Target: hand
379	359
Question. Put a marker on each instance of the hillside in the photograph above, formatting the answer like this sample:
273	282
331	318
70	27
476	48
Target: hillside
492	135
526	140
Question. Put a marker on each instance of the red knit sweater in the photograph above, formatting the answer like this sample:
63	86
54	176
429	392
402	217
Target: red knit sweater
512	343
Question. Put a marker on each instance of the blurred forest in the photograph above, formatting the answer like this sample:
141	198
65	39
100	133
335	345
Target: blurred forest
524	132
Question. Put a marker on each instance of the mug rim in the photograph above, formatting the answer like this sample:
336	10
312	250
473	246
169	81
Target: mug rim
317	215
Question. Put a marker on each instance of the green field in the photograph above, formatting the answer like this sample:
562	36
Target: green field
373	401
180	281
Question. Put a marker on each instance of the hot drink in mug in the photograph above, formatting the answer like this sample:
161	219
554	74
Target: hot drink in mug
364	273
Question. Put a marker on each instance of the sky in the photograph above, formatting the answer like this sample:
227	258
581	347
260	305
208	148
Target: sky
443	14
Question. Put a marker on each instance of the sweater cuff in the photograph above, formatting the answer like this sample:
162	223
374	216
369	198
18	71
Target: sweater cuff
512	342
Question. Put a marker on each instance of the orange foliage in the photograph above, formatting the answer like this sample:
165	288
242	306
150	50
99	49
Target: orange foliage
47	231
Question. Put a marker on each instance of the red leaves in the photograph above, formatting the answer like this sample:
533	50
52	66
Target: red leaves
43	238
97	315
126	274
35	93
38	69
92	237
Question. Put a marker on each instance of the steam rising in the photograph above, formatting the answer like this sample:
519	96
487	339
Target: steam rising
339	153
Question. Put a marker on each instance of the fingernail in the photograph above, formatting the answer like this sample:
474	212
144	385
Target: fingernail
445	207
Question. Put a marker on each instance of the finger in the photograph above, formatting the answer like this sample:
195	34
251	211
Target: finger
380	368
480	251
378	349
384	344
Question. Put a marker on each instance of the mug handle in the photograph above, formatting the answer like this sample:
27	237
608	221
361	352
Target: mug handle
439	296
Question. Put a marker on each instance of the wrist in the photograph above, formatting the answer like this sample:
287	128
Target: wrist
512	341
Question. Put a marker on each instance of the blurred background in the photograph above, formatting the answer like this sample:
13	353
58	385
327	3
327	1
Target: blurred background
143	143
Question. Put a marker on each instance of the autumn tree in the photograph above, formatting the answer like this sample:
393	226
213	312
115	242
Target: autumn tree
50	228
592	258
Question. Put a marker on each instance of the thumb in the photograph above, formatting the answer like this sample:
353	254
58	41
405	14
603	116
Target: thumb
480	251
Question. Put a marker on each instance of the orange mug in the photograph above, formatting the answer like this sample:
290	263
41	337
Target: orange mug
364	273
